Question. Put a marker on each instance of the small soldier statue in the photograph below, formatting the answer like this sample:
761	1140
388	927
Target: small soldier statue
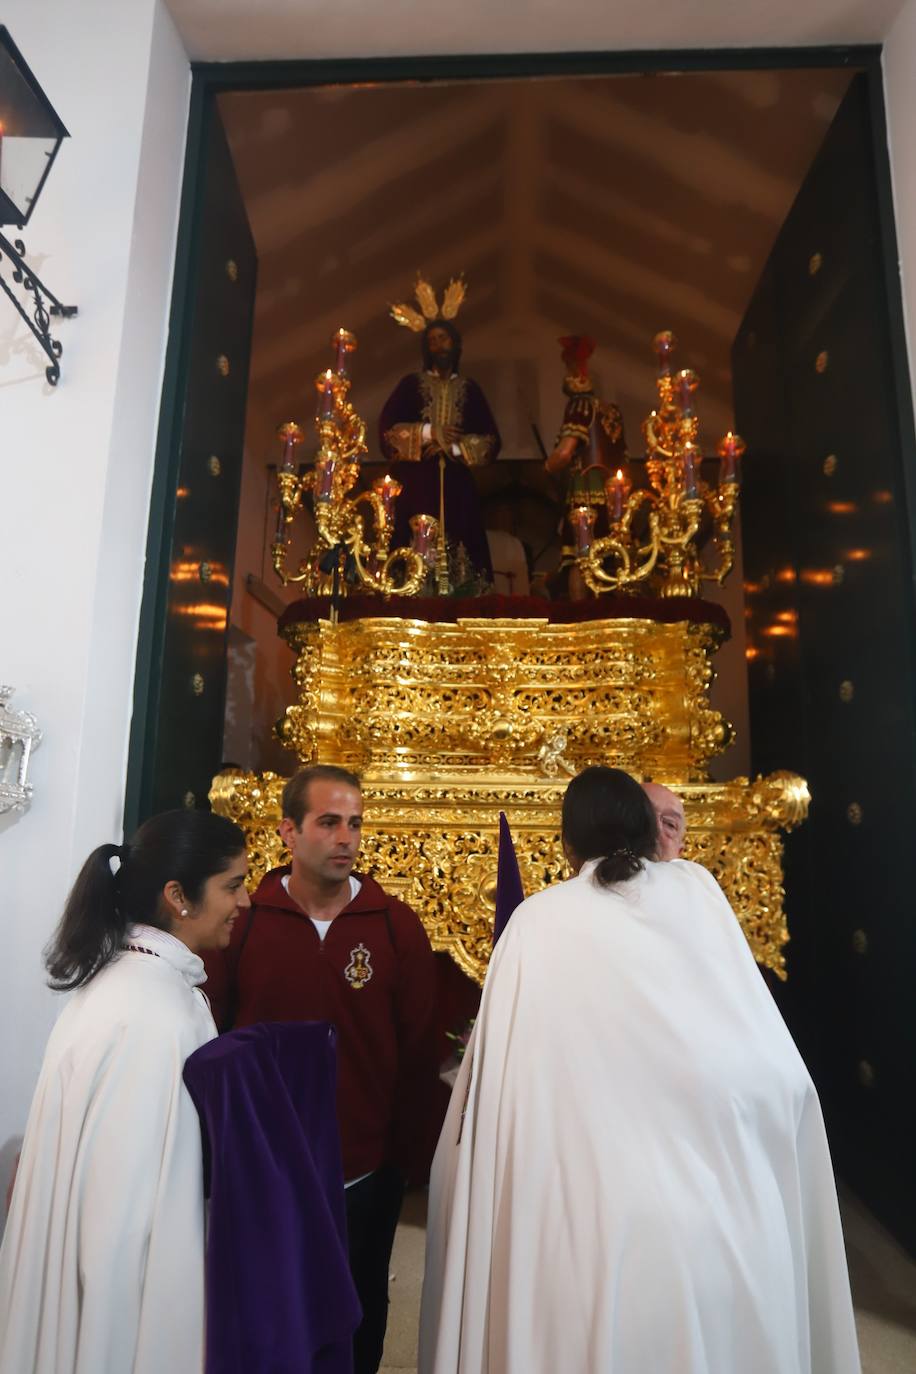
591	445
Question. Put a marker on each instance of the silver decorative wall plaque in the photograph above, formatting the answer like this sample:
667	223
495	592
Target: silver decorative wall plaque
19	735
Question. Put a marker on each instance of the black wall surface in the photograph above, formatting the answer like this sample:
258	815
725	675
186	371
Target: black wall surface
181	671
827	550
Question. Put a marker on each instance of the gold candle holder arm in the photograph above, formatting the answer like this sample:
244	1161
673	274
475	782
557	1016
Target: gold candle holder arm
721	504
291	487
374	565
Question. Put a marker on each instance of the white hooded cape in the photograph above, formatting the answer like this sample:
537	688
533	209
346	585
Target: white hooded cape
102	1265
633	1175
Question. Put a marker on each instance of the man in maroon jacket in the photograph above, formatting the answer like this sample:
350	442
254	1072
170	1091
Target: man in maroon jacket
323	944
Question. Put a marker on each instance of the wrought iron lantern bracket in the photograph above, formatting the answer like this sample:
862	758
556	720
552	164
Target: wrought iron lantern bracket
31	133
37	311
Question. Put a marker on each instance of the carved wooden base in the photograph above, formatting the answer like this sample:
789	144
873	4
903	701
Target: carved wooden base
449	724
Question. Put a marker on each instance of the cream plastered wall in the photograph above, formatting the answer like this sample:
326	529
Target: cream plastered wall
899	61
77	465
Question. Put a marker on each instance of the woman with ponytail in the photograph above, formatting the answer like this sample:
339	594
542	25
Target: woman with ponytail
102	1265
633	1173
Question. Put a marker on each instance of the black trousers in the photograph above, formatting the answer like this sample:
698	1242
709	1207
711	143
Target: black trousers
373	1208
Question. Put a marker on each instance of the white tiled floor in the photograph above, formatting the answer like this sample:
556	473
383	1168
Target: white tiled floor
883	1287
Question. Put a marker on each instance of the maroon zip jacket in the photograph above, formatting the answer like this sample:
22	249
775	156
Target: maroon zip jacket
374	977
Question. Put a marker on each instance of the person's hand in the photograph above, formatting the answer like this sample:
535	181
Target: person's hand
557	461
442	439
563	454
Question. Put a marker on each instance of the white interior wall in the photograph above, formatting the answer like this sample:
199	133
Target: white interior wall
899	61
77	464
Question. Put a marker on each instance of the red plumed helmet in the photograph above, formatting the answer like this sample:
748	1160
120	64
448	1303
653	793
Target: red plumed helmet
577	349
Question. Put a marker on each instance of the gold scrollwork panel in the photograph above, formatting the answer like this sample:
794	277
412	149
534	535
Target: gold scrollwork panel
436	847
384	694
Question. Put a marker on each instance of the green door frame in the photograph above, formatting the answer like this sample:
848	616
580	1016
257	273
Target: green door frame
210	80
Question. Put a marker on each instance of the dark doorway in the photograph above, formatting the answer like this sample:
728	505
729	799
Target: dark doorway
846	1007
828	572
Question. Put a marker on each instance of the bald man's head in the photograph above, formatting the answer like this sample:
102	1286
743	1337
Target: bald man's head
669	813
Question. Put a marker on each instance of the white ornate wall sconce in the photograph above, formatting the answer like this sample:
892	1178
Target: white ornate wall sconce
19	735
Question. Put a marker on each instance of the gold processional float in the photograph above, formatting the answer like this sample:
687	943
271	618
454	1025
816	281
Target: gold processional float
450	723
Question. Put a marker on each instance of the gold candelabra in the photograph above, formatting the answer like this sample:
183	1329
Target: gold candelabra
653	532
346	553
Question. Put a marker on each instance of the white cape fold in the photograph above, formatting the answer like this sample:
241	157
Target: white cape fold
633	1174
102	1266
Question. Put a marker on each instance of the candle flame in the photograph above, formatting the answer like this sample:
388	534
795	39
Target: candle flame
620	474
817	577
842	507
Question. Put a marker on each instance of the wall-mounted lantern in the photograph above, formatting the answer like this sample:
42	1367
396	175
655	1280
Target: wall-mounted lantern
30	135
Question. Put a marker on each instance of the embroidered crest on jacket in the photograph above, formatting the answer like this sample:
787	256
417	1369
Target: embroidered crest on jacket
359	970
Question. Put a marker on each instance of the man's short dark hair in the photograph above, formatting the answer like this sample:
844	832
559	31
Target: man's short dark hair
295	802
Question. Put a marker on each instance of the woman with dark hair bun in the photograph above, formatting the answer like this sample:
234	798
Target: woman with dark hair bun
102	1265
633	1175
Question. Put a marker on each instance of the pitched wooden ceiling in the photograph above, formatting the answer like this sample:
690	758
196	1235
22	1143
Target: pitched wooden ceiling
614	206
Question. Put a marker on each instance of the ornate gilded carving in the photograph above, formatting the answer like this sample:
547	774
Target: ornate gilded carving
397	694
449	724
435	845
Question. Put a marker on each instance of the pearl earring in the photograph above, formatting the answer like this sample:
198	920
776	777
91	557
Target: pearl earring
184	911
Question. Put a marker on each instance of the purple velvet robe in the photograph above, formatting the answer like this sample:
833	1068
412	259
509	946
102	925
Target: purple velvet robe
411	405
280	1299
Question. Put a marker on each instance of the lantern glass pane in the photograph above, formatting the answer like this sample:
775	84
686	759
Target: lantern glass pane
28	136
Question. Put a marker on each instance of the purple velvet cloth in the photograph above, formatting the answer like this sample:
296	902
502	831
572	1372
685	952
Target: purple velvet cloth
280	1299
509	890
420	481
